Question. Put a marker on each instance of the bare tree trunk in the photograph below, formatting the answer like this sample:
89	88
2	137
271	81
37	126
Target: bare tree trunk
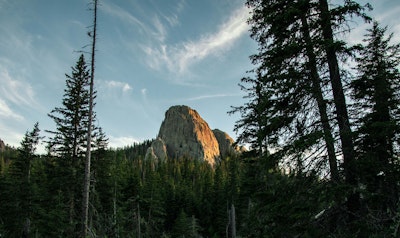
116	230
233	221
317	94
86	188
139	232
345	132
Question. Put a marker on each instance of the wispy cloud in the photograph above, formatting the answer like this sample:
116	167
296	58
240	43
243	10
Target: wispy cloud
122	141
386	17
6	112
10	137
150	26
390	19
125	87
15	91
122	14
160	33
178	58
389	14
173	18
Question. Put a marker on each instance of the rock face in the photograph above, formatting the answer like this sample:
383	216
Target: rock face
157	149
225	142
184	133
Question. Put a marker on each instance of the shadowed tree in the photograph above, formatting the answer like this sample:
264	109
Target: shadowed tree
376	93
70	139
297	100
288	105
16	194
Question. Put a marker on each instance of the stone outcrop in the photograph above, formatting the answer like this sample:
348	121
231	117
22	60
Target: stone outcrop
183	133
157	150
225	143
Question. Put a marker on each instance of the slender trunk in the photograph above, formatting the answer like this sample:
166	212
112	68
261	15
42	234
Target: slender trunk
233	221
139	232
28	212
318	96
115	225
258	113
345	132
89	134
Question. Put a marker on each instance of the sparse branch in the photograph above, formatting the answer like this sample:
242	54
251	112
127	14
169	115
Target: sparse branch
86	190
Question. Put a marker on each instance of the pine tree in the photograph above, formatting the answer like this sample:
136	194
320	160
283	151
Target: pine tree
69	138
185	226
26	155
297	99
16	191
288	108
276	91
68	142
332	48
376	92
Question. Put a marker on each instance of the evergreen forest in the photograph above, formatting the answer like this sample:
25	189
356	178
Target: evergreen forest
321	120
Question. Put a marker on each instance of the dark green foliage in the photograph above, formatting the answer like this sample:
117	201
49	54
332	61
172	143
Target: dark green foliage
376	94
288	110
297	109
18	190
69	142
376	91
281	188
133	196
69	138
185	226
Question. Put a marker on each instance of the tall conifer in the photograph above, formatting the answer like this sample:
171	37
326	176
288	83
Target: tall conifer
376	93
69	138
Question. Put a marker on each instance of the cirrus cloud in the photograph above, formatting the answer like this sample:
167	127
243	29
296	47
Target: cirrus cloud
178	58
5	111
118	85
118	142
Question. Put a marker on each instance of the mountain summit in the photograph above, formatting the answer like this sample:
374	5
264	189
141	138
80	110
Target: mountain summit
183	133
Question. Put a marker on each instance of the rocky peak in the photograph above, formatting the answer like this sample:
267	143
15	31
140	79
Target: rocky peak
226	144
185	133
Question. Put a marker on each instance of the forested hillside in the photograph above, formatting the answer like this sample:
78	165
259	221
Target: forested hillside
133	197
321	120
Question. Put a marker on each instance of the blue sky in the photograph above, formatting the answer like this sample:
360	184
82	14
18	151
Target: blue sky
150	55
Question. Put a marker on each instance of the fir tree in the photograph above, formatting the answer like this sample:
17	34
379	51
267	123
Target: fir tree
297	76
17	188
376	92
288	108
69	138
